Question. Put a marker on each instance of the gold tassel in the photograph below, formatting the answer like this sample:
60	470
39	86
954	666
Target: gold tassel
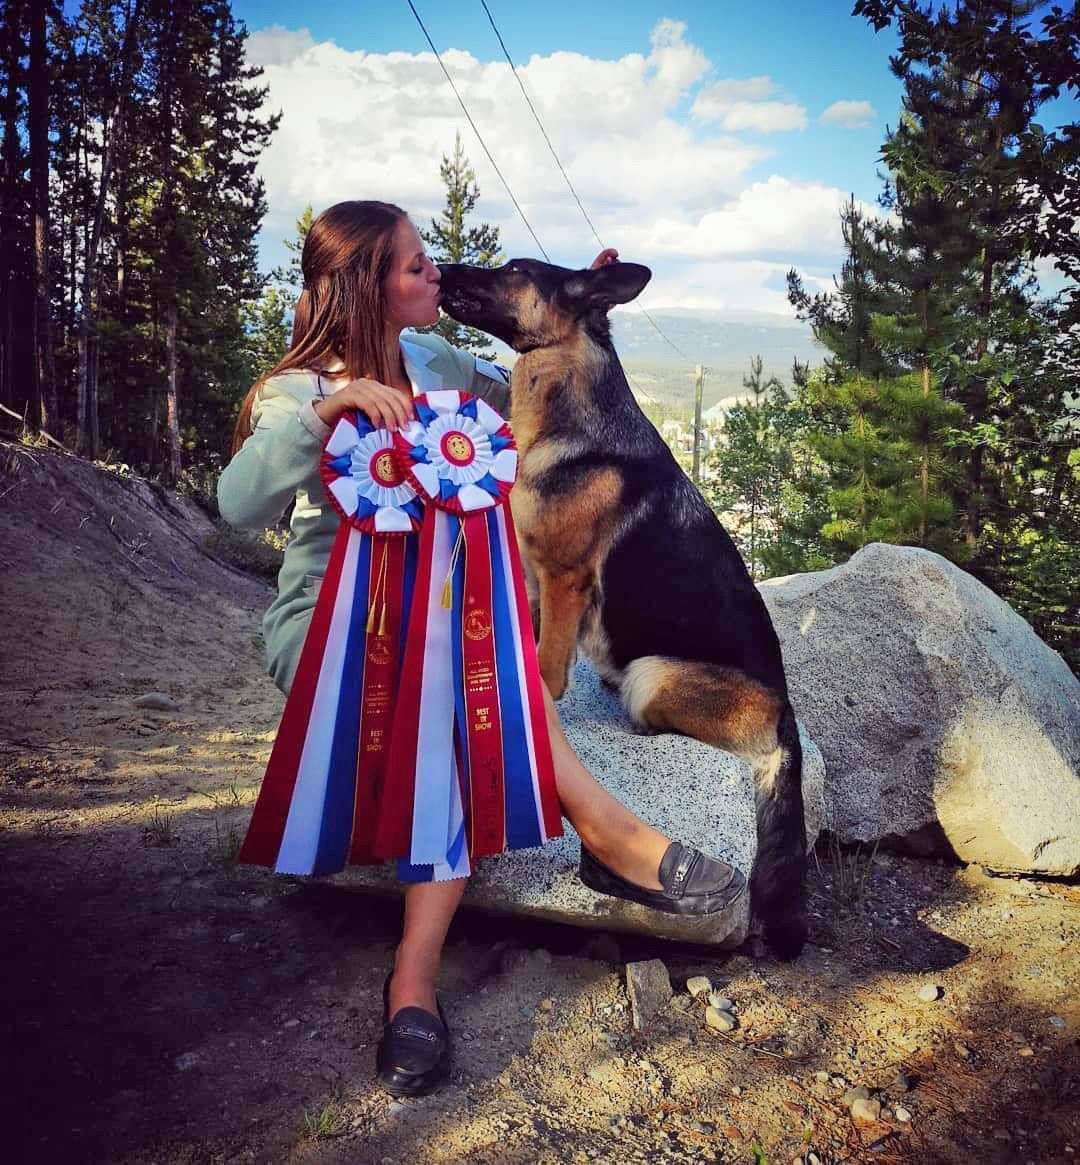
448	588
380	585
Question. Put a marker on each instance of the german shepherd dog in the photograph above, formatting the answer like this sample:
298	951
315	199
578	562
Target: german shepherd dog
629	560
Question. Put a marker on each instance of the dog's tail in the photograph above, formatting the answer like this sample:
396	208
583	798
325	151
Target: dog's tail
778	879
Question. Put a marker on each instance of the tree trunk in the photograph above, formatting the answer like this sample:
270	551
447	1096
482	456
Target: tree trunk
112	128
167	54
925	473
973	517
7	202
43	407
172	410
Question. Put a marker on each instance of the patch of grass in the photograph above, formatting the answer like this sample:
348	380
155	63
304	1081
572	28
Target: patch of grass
227	845
258	554
846	871
323	1123
159	832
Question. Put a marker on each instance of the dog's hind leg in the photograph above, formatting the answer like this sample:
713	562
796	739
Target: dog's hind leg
727	708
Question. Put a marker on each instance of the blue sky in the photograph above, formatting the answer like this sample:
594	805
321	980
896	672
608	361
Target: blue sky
694	132
816	53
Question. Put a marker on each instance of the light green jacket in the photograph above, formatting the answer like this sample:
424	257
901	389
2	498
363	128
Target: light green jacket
279	463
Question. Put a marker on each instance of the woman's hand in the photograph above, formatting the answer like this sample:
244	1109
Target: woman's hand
606	256
382	405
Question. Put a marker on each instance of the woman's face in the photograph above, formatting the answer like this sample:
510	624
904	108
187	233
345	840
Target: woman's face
412	283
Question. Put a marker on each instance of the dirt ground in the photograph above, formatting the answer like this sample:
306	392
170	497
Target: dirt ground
161	1004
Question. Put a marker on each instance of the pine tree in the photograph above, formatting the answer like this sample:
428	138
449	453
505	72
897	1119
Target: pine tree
842	320
765	483
451	240
292	275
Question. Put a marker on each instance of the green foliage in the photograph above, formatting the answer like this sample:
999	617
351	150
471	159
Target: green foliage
946	413
181	213
258	554
292	275
452	240
766	483
267	331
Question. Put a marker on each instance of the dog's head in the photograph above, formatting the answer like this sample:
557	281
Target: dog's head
528	304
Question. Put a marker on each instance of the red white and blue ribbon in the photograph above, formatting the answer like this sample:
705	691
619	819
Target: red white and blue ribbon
470	770
318	804
415	726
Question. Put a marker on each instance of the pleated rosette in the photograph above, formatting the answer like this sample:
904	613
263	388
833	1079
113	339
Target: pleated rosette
319	802
470	770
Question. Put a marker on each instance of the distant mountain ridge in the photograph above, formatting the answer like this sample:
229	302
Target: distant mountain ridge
724	341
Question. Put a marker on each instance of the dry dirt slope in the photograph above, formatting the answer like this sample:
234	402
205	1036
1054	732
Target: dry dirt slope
160	1004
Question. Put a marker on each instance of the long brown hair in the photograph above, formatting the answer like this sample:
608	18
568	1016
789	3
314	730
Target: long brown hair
340	313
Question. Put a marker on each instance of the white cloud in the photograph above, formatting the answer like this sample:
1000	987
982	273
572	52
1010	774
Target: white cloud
738	105
850	114
276	45
762	116
778	217
667	191
719	94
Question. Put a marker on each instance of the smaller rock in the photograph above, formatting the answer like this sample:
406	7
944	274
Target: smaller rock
236	937
157	700
1058	1022
721	1021
291	1023
901	1083
547	1004
649	988
698	985
720	1002
902	1115
821	1077
736	1090
865	1111
394	1107
706	1128
1026	1052
187	1061
854	1094
962	1050
929	992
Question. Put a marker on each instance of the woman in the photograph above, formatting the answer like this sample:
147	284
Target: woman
366	278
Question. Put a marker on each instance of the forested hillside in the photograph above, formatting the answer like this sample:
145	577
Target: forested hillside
131	207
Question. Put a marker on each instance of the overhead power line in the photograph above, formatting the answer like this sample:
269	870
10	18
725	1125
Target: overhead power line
562	169
479	136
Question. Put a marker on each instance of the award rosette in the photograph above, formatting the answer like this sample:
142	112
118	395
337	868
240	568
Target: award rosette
470	770
318	805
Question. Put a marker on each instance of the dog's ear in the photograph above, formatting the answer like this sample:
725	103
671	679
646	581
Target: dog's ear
584	291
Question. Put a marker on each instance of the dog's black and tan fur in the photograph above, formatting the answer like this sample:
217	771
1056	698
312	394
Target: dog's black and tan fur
630	562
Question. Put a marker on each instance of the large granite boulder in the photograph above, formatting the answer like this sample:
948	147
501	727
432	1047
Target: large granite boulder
691	791
943	719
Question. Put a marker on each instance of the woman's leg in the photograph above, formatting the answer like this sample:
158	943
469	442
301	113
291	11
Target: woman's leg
620	839
429	907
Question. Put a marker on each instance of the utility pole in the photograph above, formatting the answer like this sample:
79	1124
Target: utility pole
695	475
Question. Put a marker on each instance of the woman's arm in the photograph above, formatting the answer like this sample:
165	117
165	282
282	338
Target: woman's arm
281	453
